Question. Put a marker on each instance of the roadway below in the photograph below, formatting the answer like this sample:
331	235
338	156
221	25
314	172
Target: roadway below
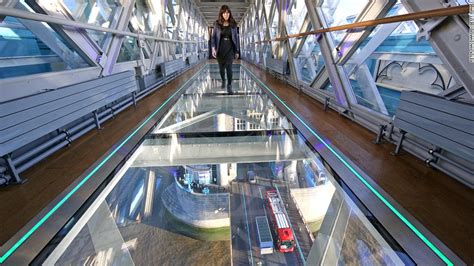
246	203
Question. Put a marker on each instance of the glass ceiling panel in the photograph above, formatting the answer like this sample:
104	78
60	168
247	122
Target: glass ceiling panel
212	191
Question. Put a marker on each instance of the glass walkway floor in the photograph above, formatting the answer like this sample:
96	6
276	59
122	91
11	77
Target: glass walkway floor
191	192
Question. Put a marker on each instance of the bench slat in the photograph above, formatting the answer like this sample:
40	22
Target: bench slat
422	125
37	99
450	120
53	120
276	65
454	147
42	130
193	59
438	103
152	80
173	66
27	119
443	123
57	104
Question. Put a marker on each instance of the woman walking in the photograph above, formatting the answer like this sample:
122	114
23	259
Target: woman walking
225	44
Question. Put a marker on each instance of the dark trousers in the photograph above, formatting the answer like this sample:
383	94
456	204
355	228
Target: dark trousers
223	67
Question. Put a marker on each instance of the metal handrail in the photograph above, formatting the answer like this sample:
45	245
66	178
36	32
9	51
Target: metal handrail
11	12
440	12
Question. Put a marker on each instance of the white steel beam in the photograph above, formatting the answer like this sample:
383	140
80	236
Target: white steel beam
28	60
351	41
376	40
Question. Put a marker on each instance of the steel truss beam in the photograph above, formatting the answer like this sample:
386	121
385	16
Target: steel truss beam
341	85
450	40
113	43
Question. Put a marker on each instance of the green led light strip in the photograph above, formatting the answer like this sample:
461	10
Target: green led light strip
370	187
84	180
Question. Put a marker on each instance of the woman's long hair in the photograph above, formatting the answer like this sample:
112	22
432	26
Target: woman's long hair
220	19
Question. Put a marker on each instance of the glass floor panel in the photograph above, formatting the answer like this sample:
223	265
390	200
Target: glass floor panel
217	172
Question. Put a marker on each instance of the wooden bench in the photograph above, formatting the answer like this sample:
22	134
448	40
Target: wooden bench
445	124
25	120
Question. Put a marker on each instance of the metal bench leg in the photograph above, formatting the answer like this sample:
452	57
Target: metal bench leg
96	119
13	170
134	98
67	137
390	131
112	111
399	143
380	134
326	104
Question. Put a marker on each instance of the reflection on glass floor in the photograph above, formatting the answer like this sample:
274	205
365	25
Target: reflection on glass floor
192	192
206	107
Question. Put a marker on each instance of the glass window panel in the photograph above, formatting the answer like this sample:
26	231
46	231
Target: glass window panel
170	19
340	12
295	19
99	13
268	5
382	66
274	30
176	7
274	25
144	19
328	87
310	60
260	10
23	53
129	50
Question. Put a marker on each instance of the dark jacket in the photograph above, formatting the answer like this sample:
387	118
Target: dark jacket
216	37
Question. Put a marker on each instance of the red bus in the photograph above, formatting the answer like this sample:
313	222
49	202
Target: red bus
285	241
